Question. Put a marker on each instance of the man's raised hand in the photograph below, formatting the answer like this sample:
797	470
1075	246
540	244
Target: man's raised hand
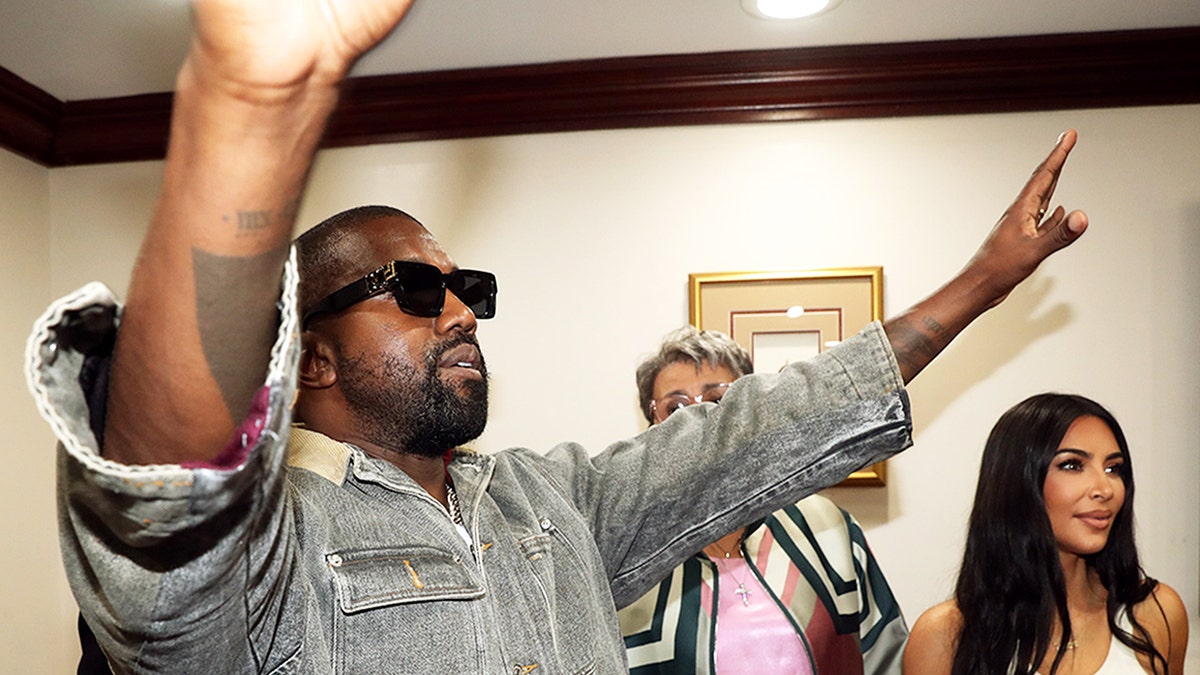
1019	242
251	103
257	47
1026	235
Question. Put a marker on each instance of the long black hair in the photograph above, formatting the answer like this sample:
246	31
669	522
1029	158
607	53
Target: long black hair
1010	586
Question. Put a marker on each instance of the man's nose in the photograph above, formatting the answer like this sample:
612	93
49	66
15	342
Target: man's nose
456	315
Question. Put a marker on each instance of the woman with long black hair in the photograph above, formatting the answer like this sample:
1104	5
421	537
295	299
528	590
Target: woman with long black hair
1050	580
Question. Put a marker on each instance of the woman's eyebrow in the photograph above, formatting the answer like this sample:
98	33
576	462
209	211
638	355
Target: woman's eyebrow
1087	455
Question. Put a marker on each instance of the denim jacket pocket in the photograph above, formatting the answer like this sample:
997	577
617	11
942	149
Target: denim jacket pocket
372	578
569	593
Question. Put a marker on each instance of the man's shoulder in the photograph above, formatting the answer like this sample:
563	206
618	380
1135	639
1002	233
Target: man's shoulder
513	461
561	454
555	475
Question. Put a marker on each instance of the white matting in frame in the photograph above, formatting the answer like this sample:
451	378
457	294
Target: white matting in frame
781	317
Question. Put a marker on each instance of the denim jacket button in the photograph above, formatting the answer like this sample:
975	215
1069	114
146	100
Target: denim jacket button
545	523
335	560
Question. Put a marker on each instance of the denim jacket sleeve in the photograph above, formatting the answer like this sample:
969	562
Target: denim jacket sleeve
132	536
655	499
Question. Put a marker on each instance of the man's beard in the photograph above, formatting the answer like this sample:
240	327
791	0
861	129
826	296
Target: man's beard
397	407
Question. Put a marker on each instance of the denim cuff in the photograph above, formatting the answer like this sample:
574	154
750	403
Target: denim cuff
143	503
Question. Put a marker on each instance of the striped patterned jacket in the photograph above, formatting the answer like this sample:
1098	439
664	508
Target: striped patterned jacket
815	562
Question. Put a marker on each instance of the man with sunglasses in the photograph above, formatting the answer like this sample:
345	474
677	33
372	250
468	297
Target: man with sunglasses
201	533
797	592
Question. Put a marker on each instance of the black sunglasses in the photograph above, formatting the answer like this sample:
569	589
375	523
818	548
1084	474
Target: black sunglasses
419	289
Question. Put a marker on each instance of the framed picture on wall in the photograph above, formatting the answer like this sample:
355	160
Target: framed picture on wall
782	317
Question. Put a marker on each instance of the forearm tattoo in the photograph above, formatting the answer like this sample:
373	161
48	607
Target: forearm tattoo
250	223
235	309
916	342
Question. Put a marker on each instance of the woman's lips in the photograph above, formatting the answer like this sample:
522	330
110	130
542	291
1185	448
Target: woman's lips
1099	520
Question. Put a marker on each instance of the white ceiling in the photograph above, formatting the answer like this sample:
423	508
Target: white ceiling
82	49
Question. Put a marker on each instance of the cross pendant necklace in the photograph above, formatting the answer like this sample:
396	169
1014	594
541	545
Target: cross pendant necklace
744	593
741	591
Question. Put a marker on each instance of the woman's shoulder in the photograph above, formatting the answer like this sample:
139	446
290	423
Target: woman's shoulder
944	616
933	640
1164	617
1162	608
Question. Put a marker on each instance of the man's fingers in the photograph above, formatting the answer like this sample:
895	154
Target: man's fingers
1066	140
1077	223
1036	195
1052	221
1061	231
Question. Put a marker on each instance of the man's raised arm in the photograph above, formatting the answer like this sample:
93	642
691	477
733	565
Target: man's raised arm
1024	237
251	103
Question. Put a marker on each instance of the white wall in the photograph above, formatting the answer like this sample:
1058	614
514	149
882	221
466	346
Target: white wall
37	613
593	235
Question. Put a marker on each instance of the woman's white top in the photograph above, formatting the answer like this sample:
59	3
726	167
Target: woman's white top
1121	660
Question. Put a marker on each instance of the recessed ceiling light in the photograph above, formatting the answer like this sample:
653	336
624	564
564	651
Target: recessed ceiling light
787	9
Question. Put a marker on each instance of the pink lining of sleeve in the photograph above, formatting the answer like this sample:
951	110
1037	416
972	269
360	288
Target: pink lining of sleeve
245	436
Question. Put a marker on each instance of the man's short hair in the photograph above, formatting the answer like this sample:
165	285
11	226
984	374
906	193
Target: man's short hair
320	254
689	345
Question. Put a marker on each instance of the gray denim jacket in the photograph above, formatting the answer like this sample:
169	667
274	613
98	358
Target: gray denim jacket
294	553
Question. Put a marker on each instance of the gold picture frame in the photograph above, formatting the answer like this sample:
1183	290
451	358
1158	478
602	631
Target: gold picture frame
786	316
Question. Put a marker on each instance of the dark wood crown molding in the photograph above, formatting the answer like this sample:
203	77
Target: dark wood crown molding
1048	72
28	118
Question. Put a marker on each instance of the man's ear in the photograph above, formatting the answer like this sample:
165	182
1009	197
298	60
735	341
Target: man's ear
317	370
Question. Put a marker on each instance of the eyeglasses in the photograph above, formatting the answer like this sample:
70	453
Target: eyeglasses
419	289
662	408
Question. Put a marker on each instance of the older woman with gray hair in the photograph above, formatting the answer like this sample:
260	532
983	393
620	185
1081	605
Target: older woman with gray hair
693	347
798	592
